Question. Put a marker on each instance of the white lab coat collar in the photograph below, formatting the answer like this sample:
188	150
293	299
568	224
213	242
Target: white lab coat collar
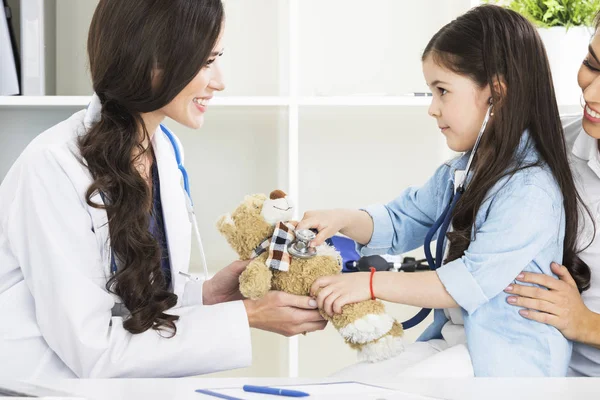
176	217
92	114
586	149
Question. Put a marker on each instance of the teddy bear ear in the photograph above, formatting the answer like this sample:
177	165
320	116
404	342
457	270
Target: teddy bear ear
249	199
254	201
226	223
277	194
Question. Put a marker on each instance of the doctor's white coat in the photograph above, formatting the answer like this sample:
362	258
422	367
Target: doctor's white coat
56	316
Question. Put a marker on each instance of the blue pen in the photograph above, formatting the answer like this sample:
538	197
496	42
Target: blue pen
275	391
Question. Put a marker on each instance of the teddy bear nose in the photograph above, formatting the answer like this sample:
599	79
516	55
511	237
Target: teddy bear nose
277	194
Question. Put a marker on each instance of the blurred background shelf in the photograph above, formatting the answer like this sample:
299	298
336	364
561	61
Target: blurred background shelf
82	101
315	105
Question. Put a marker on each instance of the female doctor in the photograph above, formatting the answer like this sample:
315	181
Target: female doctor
94	229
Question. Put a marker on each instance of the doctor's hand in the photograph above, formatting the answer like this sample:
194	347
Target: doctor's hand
225	285
560	305
284	313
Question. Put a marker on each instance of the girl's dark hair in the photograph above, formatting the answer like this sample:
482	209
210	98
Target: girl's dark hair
490	44
142	53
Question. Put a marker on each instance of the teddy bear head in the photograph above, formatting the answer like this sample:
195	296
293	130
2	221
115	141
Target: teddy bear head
254	220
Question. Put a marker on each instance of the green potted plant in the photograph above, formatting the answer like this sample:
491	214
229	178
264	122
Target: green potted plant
565	27
557	13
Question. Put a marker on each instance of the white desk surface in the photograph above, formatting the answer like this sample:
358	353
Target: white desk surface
451	389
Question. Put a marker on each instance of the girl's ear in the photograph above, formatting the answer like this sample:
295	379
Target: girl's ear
498	91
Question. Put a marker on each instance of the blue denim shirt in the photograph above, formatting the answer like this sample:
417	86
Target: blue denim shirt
519	227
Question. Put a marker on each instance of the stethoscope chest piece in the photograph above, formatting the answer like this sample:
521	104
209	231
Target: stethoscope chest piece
300	247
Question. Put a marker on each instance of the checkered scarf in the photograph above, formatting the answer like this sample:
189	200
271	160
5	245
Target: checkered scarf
279	258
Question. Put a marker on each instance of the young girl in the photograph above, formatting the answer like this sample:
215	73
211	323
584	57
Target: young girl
518	210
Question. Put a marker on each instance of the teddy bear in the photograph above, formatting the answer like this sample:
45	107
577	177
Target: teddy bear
259	230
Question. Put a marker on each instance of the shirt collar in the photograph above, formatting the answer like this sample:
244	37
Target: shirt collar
586	148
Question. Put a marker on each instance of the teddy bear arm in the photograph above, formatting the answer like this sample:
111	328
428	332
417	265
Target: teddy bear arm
255	281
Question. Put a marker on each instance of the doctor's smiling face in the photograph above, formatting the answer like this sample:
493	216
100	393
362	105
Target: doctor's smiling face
458	104
189	106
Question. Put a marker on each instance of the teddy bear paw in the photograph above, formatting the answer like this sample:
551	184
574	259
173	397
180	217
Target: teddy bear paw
368	328
255	282
385	348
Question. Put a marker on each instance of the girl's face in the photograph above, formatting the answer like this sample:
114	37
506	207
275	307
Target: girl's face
589	81
459	105
189	106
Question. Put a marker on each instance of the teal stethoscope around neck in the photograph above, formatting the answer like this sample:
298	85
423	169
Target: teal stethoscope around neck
188	203
443	222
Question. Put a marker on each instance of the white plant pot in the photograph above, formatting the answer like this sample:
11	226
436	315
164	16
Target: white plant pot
566	50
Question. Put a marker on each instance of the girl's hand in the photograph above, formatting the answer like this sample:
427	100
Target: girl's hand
560	306
327	222
334	292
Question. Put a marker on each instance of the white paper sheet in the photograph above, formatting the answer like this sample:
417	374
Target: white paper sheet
330	391
25	389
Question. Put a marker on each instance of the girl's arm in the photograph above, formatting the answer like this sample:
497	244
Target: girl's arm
420	289
356	224
520	223
396	227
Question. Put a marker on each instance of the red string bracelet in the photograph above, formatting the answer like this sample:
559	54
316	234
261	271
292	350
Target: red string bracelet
371	282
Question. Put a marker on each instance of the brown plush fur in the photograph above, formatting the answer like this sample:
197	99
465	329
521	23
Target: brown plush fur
250	228
246	228
304	272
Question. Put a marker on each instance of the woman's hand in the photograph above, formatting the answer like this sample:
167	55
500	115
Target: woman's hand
560	306
334	292
284	313
225	285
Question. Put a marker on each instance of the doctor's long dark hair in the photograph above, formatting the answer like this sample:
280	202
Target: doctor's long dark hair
491	44
128	41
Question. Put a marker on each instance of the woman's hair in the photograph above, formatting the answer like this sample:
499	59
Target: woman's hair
142	53
490	44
